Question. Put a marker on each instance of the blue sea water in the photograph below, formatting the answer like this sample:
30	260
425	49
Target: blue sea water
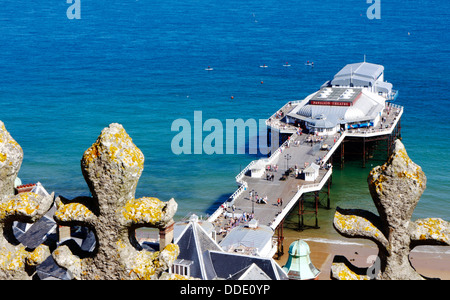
142	64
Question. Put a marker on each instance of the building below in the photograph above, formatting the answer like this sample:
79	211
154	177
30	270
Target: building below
202	257
355	98
250	239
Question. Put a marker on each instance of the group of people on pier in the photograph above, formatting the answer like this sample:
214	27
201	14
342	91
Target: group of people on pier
231	220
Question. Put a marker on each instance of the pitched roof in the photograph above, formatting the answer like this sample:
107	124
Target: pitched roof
252	272
358	73
193	243
226	265
211	262
312	168
256	238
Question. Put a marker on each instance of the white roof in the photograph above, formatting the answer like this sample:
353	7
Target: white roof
249	237
312	168
383	86
360	74
366	108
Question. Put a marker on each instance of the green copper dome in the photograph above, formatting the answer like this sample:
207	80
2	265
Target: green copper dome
299	265
299	248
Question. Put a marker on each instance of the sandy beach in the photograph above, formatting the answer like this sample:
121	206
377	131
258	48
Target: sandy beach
432	262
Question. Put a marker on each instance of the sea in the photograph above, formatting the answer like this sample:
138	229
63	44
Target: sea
71	68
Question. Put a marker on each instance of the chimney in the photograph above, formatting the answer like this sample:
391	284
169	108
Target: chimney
166	235
63	233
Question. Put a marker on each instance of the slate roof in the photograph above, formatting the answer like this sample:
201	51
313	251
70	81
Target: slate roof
227	264
194	243
252	272
32	235
211	262
49	270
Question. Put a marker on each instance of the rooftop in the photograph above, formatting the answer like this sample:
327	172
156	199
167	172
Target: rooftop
207	260
360	74
355	106
336	96
245	238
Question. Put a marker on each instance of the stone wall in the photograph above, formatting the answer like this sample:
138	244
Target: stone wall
111	167
15	258
396	188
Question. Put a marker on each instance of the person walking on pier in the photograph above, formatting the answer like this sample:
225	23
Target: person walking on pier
279	202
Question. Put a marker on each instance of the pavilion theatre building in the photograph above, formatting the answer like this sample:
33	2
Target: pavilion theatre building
355	98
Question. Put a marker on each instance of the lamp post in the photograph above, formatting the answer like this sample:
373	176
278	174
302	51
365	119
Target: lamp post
253	201
252	198
288	157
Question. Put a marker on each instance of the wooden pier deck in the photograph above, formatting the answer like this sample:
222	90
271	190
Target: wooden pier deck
301	151
289	190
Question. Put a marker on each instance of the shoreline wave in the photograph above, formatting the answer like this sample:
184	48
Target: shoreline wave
436	249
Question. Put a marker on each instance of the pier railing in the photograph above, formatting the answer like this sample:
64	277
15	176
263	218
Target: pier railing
335	146
265	161
274	120
301	190
243	185
379	131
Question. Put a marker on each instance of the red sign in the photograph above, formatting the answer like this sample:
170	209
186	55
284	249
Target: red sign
330	103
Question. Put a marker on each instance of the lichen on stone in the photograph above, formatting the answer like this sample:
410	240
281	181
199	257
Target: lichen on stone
146	209
15	258
345	273
72	212
112	167
433	229
359	223
396	188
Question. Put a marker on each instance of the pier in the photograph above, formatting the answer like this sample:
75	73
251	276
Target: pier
349	115
255	181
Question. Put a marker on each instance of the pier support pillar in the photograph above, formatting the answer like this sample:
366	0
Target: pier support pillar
316	200
280	240
364	152
300	213
328	193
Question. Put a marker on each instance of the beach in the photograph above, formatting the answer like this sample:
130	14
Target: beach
431	262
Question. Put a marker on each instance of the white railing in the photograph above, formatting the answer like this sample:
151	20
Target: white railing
280	127
303	189
239	191
215	215
265	161
392	95
243	185
335	146
241	175
275	122
377	131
